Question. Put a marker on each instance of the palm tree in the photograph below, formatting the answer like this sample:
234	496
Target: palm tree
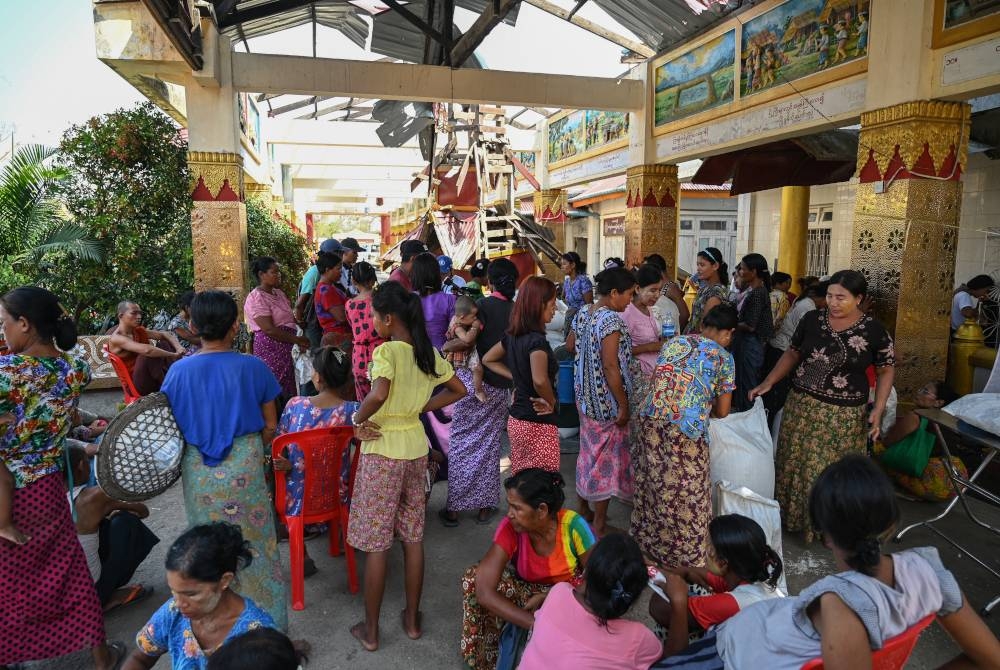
33	223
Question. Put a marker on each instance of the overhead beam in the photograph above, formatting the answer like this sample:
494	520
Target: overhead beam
332	77
494	13
260	12
592	27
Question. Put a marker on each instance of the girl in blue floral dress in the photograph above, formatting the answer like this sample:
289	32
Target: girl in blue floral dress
326	409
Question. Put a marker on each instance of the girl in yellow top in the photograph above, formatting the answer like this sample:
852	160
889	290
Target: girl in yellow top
388	499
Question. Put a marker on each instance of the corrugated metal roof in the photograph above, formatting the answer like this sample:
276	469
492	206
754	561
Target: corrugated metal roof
662	24
333	14
394	36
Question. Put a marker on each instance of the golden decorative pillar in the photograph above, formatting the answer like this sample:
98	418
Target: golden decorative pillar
550	210
793	232
910	162
257	191
219	222
652	194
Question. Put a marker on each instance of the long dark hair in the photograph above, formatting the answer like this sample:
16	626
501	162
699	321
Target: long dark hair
258	648
713	255
42	310
502	274
853	504
425	274
526	317
741	543
615	576
759	264
392	298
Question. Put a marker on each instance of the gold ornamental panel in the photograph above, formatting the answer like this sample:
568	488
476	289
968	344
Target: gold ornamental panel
651	230
942	126
905	242
652	183
258	191
214	168
218	238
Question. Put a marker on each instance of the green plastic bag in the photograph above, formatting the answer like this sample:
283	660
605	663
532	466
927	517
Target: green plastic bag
911	454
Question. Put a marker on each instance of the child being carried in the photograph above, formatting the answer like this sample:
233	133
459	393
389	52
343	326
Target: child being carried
465	328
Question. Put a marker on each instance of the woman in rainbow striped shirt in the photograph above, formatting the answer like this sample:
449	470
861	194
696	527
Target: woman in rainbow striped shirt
536	545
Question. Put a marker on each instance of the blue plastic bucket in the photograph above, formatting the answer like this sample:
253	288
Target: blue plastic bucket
565	383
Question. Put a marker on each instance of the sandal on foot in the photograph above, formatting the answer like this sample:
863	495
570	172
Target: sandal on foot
486	519
446	519
121	650
137	593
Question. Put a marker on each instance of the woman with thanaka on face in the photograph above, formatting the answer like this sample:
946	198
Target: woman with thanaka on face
671	299
204	611
536	545
525	357
825	415
146	362
712	279
603	382
50	607
224	404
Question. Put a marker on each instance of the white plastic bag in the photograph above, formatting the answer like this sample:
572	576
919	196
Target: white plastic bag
731	499
303	365
741	451
981	410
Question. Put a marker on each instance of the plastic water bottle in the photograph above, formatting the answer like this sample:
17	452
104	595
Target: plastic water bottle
669	329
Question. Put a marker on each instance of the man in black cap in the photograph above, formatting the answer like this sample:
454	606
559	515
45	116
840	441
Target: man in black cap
349	257
407	251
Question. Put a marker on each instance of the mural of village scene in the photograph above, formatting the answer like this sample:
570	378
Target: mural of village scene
566	137
800	38
697	80
957	12
605	128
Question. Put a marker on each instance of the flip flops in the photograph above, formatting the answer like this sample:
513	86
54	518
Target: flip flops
446	520
136	594
485	520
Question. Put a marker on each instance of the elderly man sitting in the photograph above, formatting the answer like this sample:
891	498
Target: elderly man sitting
130	341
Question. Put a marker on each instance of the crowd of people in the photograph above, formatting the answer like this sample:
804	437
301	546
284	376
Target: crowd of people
399	359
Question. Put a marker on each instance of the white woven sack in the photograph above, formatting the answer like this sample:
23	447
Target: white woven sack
732	499
741	450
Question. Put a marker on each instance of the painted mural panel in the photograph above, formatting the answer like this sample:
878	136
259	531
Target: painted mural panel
697	80
527	159
605	128
567	137
799	38
959	12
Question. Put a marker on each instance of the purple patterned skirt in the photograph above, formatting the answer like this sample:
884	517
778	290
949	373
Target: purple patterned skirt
278	357
603	468
474	448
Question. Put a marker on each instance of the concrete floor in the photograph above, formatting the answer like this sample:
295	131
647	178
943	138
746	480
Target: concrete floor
331	609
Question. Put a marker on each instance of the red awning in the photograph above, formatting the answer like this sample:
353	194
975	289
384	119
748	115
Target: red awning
823	158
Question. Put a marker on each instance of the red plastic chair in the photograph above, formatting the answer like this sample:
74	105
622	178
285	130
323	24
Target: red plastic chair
124	376
894	653
323	450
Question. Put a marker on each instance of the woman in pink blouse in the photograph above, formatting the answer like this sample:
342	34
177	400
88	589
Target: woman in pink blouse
268	312
645	328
